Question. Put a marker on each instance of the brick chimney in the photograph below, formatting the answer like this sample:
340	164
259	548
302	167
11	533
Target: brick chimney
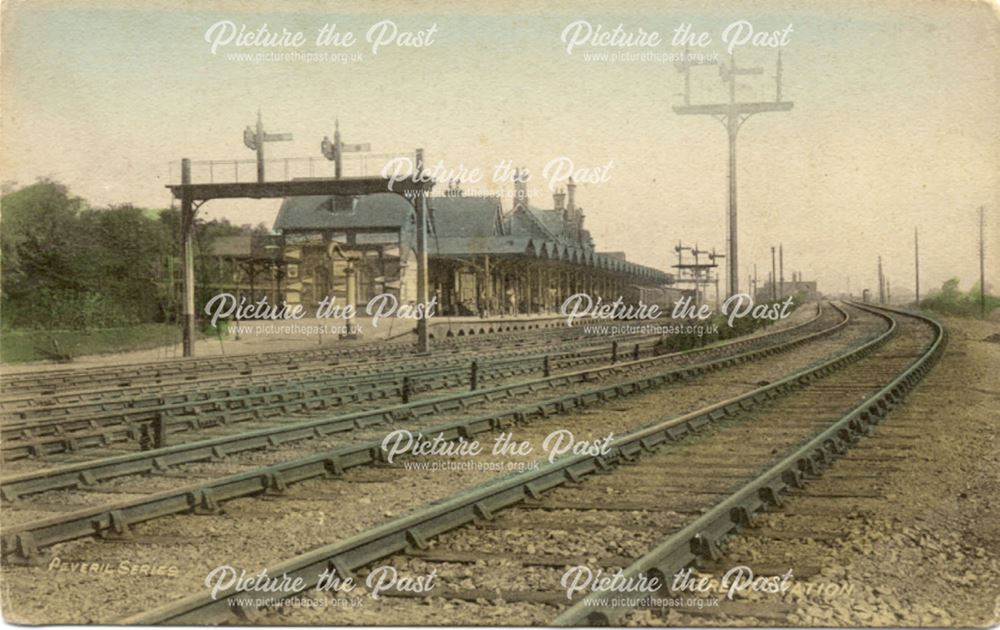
559	200
520	189
572	217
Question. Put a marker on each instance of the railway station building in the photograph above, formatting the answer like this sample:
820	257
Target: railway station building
483	260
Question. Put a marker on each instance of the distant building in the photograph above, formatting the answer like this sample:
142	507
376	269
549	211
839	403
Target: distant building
808	288
482	260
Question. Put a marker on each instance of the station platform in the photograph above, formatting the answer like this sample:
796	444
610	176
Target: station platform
323	331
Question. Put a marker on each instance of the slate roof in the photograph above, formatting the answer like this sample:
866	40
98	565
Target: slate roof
384	210
523	222
544	223
465	216
451	216
552	220
462	226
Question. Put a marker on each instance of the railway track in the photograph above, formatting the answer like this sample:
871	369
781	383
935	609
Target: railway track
661	497
70	428
162	533
108	399
498	406
19	388
83	424
203	444
131	391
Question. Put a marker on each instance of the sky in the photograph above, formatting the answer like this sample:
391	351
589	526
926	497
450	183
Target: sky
894	125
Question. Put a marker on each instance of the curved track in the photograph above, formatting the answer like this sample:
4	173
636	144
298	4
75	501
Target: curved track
663	496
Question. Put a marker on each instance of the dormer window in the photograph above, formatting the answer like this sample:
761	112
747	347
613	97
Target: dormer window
341	204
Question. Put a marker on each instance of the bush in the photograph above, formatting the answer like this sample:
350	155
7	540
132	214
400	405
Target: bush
67	266
950	300
741	327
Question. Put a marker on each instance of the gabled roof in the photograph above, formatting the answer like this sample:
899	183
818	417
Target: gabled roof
461	226
551	219
524	222
465	216
384	210
451	216
542	223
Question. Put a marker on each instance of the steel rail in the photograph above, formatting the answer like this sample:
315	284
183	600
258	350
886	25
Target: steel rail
31	381
25	541
59	435
700	539
125	427
88	473
119	401
47	379
362	348
124	393
187	373
482	502
119	397
187	402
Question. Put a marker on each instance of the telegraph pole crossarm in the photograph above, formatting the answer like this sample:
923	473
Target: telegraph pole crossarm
684	66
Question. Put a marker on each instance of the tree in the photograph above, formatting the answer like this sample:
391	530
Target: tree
68	265
41	251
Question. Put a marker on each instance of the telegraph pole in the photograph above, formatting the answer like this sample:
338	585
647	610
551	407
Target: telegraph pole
774	277
420	203
697	278
732	115
187	259
982	263
781	271
916	266
881	283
